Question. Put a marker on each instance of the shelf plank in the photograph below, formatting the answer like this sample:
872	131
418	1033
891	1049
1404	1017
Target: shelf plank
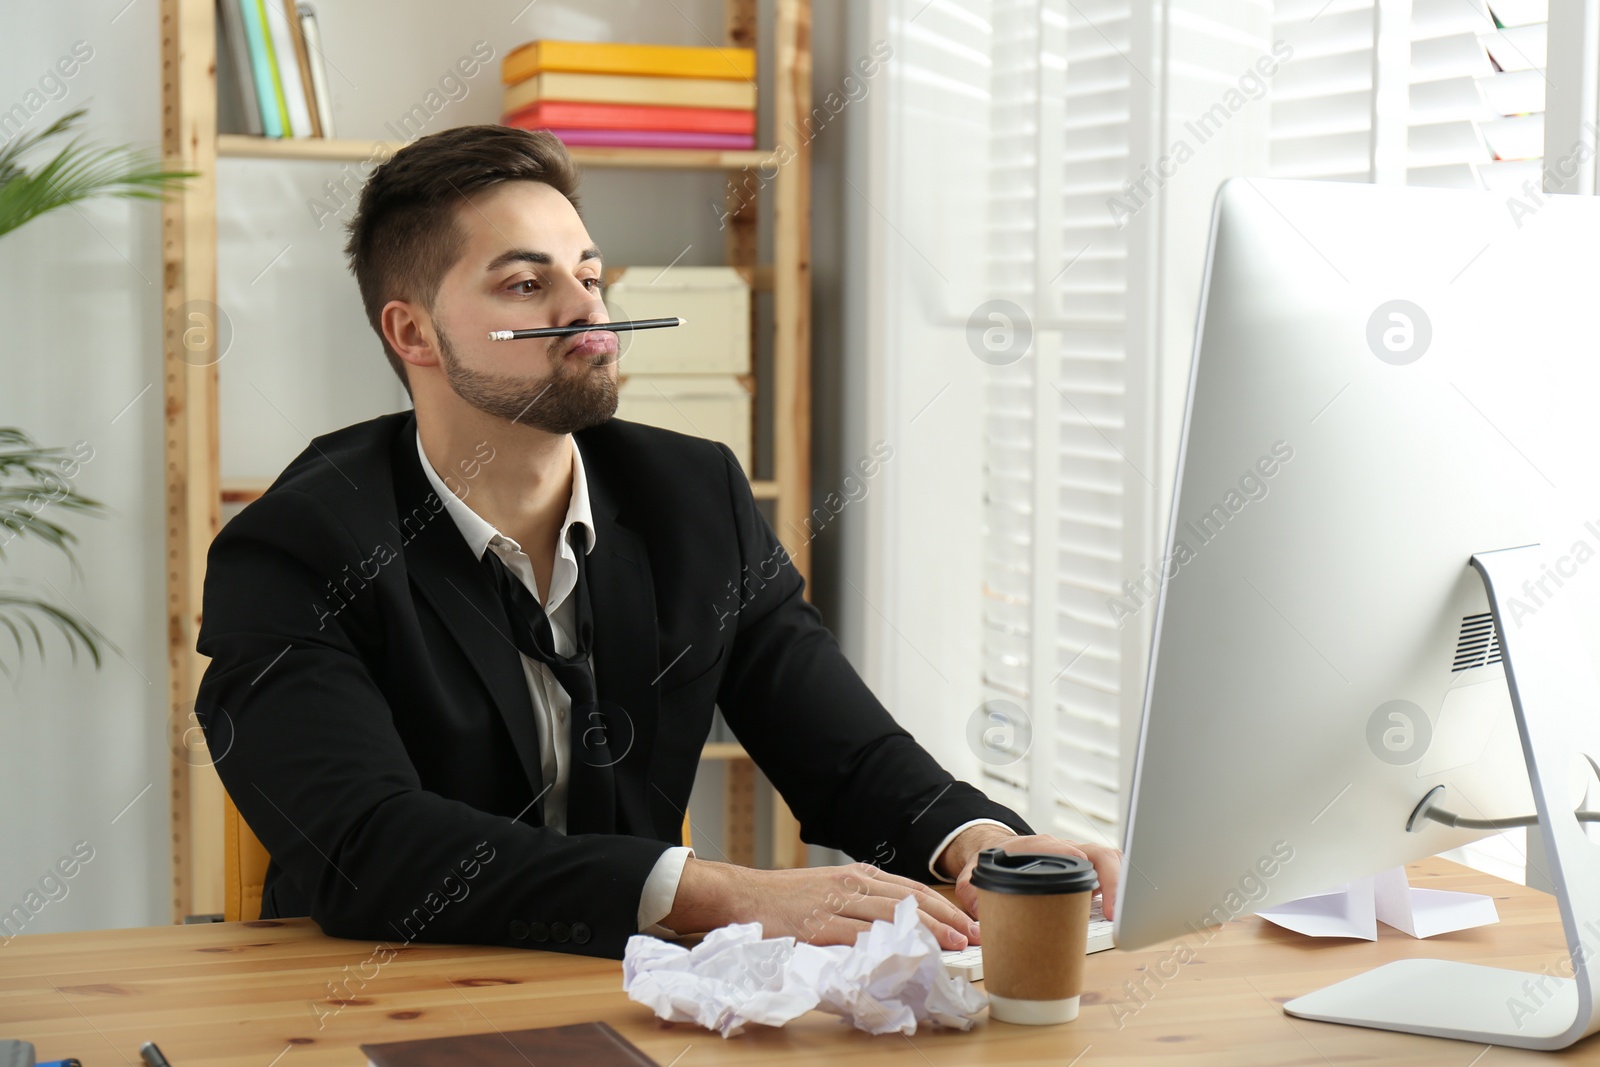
723	750
356	150
244	490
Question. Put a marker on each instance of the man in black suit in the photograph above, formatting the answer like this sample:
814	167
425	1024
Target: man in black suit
464	658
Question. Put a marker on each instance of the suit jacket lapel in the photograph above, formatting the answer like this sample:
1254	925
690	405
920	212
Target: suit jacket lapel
622	597
441	564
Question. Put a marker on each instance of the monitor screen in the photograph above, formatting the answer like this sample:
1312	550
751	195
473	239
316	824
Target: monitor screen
1385	381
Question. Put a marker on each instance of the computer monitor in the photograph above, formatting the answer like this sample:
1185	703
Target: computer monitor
1389	385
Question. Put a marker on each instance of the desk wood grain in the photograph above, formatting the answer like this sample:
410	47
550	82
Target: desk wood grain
281	994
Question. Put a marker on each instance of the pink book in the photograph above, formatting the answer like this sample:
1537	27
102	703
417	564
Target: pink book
653	138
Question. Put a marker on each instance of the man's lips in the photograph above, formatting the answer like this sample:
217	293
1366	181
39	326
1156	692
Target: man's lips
595	342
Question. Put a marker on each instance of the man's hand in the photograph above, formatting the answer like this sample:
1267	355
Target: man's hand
962	855
818	905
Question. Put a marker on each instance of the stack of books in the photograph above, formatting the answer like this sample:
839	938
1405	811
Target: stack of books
632	95
271	80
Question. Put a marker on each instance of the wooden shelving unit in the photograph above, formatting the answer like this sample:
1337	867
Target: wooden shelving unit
194	488
354	151
245	490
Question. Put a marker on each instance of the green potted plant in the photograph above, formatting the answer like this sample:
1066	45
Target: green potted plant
36	482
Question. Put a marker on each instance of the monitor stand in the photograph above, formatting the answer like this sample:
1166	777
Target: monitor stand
1548	672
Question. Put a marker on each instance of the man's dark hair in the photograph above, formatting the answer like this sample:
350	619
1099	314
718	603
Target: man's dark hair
404	237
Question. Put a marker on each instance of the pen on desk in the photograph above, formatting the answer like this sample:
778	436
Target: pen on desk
562	331
152	1056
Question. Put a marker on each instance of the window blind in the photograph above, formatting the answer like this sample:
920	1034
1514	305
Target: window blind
1322	98
1473	78
1470	85
1477	93
1053	419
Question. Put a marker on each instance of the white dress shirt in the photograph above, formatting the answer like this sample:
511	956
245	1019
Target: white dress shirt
552	707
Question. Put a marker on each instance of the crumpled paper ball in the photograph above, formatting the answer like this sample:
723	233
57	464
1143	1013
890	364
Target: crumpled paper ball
890	980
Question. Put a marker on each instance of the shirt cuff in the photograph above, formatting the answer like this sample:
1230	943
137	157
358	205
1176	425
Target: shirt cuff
661	890
933	861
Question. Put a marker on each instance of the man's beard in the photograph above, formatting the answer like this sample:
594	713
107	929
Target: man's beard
564	402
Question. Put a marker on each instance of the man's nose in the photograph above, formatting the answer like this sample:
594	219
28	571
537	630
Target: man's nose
581	306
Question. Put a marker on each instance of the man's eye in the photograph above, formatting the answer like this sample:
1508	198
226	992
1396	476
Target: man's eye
518	286
595	282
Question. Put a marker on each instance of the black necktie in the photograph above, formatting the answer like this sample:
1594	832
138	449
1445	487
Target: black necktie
591	802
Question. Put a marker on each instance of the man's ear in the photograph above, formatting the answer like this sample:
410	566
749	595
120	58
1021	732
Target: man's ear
409	331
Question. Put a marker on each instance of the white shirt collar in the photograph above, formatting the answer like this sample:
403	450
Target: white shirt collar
479	532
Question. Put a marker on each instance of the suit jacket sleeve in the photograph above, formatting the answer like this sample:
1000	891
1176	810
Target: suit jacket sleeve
303	739
855	779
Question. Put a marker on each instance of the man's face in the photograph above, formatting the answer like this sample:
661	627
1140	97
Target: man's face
527	261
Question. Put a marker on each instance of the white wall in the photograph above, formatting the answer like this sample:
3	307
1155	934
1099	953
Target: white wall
80	304
917	203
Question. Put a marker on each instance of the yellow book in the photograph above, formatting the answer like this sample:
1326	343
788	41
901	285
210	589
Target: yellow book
630	89
597	57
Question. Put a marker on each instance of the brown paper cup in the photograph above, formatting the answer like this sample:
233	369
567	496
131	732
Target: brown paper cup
1034	912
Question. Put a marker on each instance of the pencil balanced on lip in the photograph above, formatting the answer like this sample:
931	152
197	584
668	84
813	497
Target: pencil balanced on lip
562	331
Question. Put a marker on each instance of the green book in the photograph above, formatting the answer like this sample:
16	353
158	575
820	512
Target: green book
277	81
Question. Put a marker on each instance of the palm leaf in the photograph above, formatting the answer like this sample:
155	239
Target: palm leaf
15	608
77	172
32	492
11	155
31	488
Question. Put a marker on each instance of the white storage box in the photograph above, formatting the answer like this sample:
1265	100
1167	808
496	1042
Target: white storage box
714	406
713	301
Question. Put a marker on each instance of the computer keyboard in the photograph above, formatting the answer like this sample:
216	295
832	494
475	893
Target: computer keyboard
968	962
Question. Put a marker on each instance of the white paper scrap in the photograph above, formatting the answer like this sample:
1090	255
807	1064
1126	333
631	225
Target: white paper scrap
1348	911
1426	912
1355	910
891	979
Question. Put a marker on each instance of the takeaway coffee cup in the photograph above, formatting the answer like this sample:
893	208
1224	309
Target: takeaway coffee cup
1034	911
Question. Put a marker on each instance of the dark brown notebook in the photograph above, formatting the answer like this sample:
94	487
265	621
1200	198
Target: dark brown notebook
591	1044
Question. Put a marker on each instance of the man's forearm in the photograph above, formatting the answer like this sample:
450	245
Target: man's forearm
967	844
710	895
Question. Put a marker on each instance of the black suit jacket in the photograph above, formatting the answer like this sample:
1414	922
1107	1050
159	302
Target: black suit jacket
368	713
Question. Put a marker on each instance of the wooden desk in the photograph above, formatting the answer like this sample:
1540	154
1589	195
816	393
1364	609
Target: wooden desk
255	993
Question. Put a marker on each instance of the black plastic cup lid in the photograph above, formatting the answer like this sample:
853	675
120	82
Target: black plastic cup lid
1032	872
